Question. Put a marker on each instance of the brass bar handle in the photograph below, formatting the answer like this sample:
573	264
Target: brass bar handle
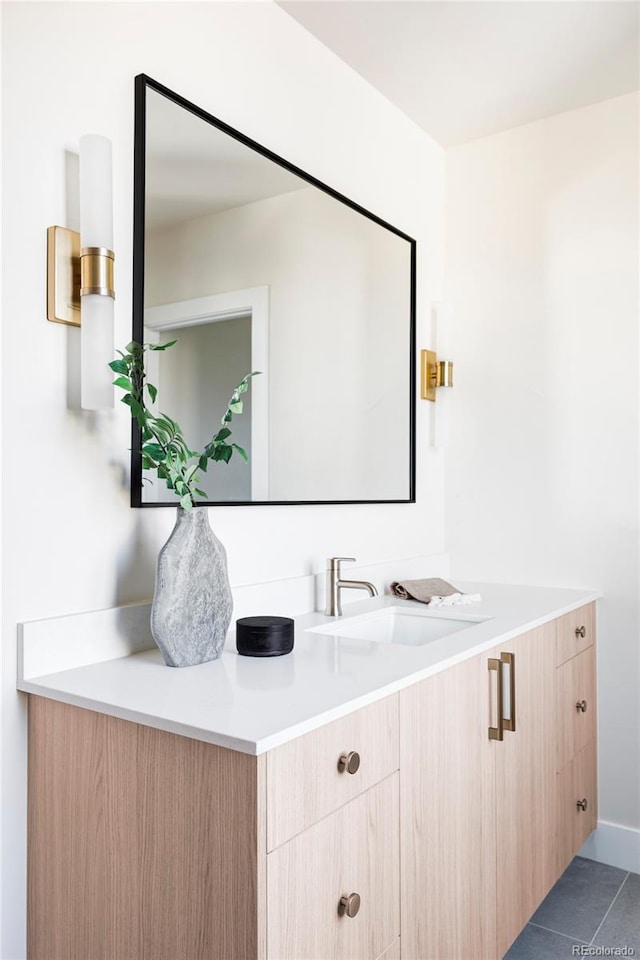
349	762
581	706
349	905
581	632
510	660
582	804
495	666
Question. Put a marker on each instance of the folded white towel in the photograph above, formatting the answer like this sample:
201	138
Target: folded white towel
455	599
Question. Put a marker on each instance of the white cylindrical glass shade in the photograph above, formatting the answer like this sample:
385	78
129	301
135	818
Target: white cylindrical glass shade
96	192
442	414
96	230
96	353
443	331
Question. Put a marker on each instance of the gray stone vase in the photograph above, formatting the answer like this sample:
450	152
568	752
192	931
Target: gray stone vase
192	604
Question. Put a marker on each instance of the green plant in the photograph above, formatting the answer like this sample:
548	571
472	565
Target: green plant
163	446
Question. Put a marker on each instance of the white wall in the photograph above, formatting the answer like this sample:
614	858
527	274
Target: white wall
196	379
542	477
72	542
339	305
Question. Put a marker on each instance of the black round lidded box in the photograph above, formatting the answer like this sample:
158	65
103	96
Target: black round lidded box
264	636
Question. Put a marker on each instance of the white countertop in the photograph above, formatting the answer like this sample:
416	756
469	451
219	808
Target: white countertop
254	704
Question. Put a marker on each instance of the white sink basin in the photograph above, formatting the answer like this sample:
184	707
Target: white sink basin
408	626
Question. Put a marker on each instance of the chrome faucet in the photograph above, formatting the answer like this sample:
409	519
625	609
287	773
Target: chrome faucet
335	584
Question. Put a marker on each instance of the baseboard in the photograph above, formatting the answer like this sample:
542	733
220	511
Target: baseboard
613	844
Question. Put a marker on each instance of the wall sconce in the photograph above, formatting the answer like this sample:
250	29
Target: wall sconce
80	273
437	373
434	373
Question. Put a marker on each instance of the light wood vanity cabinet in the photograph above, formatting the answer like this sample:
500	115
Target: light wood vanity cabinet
489	822
448	836
144	845
479	819
526	821
401	830
576	759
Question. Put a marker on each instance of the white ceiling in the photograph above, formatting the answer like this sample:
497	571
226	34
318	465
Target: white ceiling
463	70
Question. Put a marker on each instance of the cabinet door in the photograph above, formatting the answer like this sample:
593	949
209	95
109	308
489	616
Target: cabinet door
353	851
526	783
448	816
577	804
576	705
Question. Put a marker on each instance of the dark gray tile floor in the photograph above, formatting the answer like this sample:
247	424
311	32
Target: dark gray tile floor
591	906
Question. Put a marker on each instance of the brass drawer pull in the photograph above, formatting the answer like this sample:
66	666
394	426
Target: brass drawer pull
581	632
349	762
349	906
581	706
496	733
510	660
581	804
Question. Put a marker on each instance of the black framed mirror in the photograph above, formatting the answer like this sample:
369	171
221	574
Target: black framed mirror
252	264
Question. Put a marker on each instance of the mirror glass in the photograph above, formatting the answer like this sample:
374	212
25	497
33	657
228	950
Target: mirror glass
252	265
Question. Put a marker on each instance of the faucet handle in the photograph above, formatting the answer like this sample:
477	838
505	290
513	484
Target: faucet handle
333	563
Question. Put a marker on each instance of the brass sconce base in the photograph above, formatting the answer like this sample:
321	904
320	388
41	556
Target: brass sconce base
63	276
72	273
428	374
434	373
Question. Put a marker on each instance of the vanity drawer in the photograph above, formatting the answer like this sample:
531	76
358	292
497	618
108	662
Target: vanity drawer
575	632
577	784
306	779
576	705
353	851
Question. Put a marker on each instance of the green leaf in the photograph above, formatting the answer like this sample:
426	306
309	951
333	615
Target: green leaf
174	425
235	406
158	432
227	417
203	462
153	392
137	411
133	347
202	493
123	382
241	451
186	503
119	366
223	452
163	425
223	434
162	346
154	450
180	445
